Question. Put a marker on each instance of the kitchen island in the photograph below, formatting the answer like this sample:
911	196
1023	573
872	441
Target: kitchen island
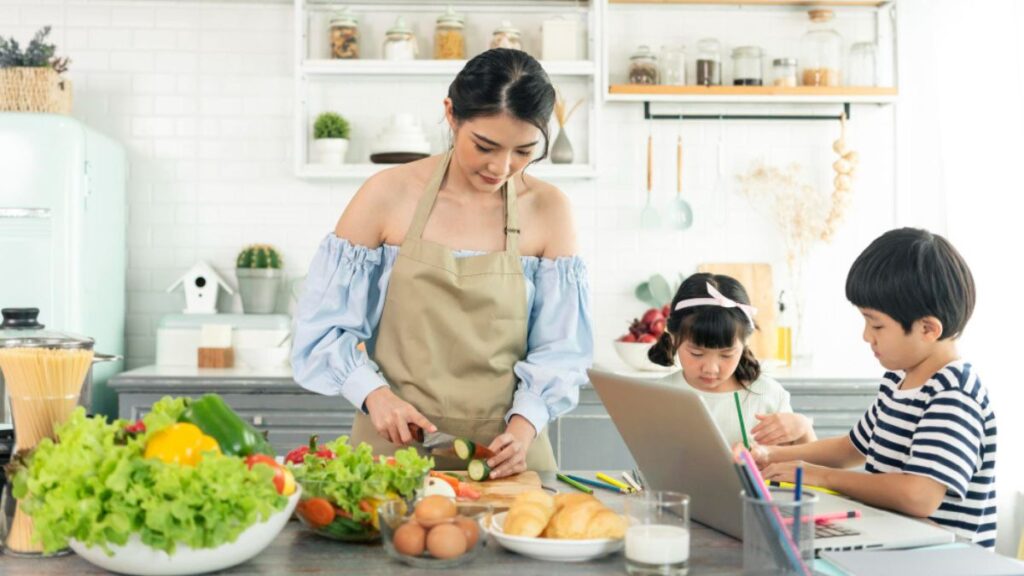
297	551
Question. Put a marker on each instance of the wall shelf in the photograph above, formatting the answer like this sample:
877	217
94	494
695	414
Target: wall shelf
363	171
751	94
794	3
444	68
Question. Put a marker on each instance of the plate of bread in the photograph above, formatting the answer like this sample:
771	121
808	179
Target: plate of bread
563	528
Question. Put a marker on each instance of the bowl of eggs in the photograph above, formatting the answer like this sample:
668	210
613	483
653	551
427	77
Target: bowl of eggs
435	533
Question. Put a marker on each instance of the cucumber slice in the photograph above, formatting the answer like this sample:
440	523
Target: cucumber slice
479	470
464	449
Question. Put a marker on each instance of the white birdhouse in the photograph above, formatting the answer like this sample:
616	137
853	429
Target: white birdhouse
201	283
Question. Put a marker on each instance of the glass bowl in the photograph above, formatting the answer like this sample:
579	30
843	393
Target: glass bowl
328	518
415	538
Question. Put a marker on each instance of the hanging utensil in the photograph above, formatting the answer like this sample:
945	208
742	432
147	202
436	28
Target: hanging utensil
680	215
649	217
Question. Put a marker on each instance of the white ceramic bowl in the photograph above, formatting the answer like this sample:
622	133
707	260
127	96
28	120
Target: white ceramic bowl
138	558
550	549
263	358
634	354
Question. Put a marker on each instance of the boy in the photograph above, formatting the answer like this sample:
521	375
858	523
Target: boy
929	440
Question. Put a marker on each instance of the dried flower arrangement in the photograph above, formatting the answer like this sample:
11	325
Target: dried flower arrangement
560	109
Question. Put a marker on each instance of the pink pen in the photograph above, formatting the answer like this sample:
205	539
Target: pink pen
826	518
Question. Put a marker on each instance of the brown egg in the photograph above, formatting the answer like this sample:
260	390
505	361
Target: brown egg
446	541
410	538
434	510
470	529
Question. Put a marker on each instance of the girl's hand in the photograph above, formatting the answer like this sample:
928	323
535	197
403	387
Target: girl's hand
394	418
780	428
510	448
786	472
762	454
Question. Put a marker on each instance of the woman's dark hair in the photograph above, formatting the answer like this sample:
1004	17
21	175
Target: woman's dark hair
504	81
708	326
910	274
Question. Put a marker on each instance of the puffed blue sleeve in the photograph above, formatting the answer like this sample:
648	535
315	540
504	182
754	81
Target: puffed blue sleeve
560	341
340	306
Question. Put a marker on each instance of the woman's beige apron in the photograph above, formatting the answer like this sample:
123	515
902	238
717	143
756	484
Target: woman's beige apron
451	331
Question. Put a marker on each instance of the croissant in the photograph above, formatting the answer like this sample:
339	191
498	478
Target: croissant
572	521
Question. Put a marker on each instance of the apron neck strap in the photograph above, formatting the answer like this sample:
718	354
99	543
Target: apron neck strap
426	204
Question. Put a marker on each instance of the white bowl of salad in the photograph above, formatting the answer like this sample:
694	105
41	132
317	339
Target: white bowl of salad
136	557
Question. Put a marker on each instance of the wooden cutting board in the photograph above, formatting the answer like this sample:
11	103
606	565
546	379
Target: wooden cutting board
501	493
757	279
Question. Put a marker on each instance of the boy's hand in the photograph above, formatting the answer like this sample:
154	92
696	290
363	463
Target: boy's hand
786	472
780	428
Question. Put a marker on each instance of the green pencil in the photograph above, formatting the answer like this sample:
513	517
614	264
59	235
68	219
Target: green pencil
739	414
574	483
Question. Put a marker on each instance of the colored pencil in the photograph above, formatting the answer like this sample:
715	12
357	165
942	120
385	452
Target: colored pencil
829	517
777	484
629	480
798	493
606	478
574	484
739	413
596	483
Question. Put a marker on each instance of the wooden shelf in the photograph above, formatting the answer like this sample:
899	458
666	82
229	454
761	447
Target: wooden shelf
446	68
363	171
798	3
753	94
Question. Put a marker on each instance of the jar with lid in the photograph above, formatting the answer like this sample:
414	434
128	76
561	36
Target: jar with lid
400	42
344	35
822	49
784	72
507	36
709	62
450	36
643	66
673	65
746	66
863	65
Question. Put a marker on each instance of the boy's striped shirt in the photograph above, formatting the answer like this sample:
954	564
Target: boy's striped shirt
946	431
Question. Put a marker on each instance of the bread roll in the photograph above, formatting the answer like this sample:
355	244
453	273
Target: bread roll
606	524
527	519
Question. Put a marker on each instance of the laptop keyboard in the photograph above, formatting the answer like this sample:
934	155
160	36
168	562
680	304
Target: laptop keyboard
832	530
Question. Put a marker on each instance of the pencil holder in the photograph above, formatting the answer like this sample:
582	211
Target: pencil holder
778	535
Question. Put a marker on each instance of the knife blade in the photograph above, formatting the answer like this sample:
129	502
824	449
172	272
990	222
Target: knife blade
441	444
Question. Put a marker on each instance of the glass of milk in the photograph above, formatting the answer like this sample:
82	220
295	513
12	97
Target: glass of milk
658	537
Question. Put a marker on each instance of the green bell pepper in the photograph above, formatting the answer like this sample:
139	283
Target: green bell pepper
235	436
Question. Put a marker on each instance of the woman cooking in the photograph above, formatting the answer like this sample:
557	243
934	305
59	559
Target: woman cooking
459	272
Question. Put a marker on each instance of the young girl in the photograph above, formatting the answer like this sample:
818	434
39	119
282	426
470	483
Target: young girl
708	328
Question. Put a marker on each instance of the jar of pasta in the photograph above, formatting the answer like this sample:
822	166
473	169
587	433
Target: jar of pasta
344	36
450	36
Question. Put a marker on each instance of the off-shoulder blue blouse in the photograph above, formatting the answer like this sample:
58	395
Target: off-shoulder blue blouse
343	300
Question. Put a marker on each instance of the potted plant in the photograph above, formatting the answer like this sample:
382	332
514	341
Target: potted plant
31	81
259	273
330	138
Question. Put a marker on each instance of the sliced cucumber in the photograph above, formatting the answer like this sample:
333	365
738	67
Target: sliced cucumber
479	470
464	449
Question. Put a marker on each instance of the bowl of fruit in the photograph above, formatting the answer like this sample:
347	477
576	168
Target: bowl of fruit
644	332
435	533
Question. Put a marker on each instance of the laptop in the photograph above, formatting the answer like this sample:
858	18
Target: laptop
678	447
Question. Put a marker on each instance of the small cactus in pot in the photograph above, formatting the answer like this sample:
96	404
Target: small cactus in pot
258	268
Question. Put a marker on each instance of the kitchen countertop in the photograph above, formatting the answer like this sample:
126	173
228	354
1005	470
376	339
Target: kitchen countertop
297	551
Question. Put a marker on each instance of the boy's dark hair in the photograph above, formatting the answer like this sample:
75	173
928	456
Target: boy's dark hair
504	81
708	326
910	274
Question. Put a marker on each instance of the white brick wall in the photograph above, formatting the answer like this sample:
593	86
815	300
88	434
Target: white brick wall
201	95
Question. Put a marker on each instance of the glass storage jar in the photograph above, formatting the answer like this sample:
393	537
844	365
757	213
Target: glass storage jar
344	35
507	36
673	65
400	42
822	49
450	36
709	62
643	66
746	66
784	72
862	69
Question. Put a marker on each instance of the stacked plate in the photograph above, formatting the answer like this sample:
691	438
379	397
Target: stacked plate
401	141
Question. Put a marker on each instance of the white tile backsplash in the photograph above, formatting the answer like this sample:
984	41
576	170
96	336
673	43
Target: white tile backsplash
202	96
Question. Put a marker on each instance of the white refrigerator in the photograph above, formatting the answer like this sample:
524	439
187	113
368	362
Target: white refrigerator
63	233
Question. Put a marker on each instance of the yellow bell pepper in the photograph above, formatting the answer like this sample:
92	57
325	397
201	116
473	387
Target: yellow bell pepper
180	443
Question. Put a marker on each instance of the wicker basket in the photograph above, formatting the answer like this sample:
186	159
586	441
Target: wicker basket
43	89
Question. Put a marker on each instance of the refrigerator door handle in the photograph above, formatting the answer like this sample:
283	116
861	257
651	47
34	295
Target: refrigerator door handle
25	213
